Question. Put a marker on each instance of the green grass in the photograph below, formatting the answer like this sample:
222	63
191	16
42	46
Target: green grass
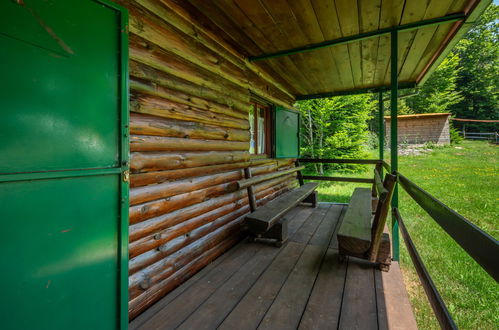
466	179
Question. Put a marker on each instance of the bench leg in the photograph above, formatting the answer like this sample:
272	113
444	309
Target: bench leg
278	234
312	198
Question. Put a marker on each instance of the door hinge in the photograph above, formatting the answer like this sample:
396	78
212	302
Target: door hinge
126	176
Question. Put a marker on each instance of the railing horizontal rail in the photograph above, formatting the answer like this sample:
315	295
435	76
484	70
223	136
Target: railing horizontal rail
439	308
482	247
338	179
340	161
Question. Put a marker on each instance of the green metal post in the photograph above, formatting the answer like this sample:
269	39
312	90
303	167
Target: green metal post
381	126
394	135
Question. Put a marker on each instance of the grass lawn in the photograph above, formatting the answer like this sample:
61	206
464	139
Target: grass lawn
466	179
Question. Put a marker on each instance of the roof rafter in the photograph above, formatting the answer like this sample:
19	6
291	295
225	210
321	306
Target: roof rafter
354	92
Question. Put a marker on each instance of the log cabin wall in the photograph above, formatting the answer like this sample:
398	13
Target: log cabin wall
190	97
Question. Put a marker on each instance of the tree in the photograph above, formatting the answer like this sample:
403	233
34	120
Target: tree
478	78
335	127
439	93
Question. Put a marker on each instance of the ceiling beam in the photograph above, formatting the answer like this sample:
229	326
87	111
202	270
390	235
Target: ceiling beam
361	36
353	92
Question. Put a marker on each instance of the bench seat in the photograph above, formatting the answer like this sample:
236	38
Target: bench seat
265	217
355	233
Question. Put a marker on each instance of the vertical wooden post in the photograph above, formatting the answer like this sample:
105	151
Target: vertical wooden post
381	126
251	193
298	174
394	135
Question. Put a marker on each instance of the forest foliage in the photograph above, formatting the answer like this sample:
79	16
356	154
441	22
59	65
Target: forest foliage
466	84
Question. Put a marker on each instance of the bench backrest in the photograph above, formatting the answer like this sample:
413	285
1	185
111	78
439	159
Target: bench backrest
384	191
249	181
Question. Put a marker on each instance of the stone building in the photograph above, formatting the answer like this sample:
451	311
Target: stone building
421	128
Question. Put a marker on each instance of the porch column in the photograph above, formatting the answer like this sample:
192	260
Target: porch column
394	135
381	126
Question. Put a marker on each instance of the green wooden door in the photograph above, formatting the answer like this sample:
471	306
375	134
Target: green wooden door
63	157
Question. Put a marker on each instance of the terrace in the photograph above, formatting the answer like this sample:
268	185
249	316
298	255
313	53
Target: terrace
301	285
127	140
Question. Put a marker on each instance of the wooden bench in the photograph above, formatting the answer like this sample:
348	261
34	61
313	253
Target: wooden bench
361	232
267	222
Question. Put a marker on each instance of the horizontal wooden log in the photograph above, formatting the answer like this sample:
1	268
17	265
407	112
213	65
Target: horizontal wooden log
285	162
143	179
239	100
163	35
164	236
194	28
162	222
152	125
147	258
160	33
162	143
241	184
156	106
144	86
262	161
161	270
337	179
168	189
142	162
154	293
152	209
147	53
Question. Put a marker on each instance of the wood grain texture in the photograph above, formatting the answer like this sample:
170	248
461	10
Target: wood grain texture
191	92
301	285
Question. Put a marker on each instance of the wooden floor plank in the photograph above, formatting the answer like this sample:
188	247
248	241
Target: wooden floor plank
150	312
324	305
394	307
358	309
214	310
334	241
251	309
173	314
300	285
328	225
287	308
298	219
306	231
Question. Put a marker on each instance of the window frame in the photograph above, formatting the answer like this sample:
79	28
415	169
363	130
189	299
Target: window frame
268	127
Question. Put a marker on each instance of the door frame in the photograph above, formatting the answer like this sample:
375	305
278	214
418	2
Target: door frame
124	161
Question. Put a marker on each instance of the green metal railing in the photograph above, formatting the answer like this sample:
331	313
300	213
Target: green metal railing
479	245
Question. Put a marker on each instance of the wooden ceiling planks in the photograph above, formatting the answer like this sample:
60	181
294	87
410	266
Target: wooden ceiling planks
328	21
441	31
294	35
390	15
307	20
265	26
422	37
256	23
349	25
369	12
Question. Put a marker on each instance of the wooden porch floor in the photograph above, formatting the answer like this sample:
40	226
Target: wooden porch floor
300	285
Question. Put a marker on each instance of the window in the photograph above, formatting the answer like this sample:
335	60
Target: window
260	129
